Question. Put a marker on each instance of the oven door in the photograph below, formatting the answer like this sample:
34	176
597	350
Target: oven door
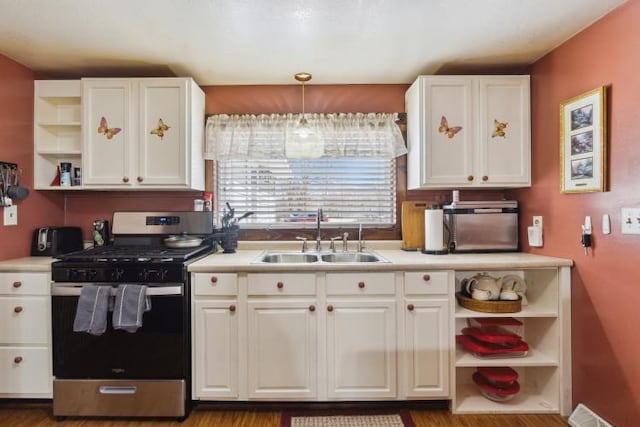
157	350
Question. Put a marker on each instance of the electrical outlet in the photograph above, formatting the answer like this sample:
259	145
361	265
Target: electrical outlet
630	220
537	221
11	215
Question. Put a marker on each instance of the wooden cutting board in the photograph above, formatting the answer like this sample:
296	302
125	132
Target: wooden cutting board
413	224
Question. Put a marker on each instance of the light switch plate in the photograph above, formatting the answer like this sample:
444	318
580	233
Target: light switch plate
630	220
11	215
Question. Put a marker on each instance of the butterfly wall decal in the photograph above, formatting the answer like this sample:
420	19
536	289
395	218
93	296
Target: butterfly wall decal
161	129
500	129
104	129
449	131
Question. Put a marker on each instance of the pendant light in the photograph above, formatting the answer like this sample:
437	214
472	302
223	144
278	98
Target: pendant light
303	130
303	141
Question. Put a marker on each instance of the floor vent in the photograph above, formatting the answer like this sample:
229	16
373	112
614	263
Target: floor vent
585	417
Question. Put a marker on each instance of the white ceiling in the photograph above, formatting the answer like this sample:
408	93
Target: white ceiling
225	42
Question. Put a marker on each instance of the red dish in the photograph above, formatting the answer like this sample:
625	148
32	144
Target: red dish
483	349
494	335
485	385
499	376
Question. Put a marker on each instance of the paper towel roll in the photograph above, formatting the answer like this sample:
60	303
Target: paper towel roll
433	229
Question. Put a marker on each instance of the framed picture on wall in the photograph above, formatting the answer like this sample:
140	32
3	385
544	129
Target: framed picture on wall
583	154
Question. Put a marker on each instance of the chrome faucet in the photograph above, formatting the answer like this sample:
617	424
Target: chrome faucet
318	238
360	241
345	242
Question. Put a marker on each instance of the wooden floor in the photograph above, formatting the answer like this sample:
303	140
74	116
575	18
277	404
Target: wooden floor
31	415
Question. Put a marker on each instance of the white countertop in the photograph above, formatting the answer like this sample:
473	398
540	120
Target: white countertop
398	259
28	264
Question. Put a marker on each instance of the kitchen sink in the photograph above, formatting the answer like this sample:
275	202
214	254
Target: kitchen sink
350	257
310	258
288	258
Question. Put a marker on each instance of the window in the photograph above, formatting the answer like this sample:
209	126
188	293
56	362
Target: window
288	192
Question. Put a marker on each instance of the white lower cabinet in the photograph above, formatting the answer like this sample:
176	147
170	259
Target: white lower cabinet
25	335
282	349
361	349
333	336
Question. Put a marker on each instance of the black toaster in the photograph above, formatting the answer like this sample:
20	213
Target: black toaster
52	241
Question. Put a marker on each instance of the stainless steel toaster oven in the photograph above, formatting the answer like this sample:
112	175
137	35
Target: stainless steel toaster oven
487	226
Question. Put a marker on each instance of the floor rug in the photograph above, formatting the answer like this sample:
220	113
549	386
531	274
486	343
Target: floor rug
346	418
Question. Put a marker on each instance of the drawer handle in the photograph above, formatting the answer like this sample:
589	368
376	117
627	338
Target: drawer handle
125	179
410	307
361	285
17	309
232	308
140	179
312	307
426	277
329	307
280	285
17	359
470	178
485	178
17	284
106	389
214	279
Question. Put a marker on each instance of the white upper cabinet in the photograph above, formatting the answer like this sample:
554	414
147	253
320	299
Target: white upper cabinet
143	133
468	132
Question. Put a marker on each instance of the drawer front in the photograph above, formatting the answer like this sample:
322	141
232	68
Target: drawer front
361	283
24	320
282	284
216	283
25	283
426	282
25	370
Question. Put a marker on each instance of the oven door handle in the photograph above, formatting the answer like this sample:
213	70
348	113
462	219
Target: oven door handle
74	289
108	389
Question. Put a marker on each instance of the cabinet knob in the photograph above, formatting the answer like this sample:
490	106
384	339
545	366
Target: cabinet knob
17	284
140	179
361	285
410	307
426	277
280	285
470	178
17	359
17	309
232	308
125	179
485	178
329	307
214	279
312	307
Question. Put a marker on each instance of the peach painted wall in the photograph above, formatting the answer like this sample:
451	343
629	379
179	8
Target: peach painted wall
606	286
16	146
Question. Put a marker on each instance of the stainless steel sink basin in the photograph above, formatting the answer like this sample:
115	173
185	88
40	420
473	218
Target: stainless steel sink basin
289	258
350	257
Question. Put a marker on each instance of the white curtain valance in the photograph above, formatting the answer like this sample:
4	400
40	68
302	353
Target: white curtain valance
245	137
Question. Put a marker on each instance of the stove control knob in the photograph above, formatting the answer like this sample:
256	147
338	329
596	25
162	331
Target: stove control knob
117	274
72	274
92	274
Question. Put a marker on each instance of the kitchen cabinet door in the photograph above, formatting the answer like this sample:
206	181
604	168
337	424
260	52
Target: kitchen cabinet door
504	157
215	373
108	157
282	349
361	349
427	349
163	132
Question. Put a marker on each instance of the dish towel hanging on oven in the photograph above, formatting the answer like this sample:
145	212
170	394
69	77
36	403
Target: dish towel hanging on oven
91	313
131	302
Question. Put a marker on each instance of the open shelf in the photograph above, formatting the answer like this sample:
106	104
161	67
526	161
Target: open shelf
529	400
533	358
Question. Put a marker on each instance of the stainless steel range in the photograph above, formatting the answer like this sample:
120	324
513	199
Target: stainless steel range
123	373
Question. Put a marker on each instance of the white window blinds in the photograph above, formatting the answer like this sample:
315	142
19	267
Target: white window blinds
289	192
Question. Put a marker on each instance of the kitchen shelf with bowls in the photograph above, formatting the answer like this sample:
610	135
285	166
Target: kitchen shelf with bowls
544	371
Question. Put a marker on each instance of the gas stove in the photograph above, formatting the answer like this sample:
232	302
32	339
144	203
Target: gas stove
138	253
